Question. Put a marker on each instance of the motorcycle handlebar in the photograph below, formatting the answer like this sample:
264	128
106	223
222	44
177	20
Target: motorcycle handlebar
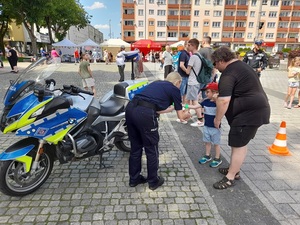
76	90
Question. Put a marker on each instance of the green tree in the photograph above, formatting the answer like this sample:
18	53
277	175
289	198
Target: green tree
61	15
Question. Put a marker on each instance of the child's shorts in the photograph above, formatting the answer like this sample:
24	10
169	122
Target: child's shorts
212	135
88	82
294	84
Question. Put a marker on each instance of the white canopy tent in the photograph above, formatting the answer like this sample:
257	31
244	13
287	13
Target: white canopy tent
66	46
89	43
114	43
177	43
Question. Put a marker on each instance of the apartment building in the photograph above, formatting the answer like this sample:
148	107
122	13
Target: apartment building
235	23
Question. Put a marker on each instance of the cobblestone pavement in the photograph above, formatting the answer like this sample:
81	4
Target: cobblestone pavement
80	193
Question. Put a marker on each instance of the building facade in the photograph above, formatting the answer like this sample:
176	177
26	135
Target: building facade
78	36
229	22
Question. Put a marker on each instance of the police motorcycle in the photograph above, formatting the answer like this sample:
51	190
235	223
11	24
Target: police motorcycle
65	124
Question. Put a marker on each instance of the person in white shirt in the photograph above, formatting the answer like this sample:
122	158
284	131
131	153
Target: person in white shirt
167	59
120	60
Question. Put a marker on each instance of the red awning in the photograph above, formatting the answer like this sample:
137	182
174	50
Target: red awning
268	44
146	43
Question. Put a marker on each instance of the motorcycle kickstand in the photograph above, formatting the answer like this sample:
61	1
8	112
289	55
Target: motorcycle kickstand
102	165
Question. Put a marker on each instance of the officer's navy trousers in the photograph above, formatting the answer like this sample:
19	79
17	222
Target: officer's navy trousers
142	127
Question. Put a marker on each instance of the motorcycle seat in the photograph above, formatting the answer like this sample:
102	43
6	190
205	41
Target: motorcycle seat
113	106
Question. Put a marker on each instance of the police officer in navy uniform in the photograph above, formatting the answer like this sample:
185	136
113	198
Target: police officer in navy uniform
256	58
142	123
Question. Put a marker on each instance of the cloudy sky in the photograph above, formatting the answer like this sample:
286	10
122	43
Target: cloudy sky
105	12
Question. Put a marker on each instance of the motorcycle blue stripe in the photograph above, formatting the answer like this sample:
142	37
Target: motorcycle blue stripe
16	154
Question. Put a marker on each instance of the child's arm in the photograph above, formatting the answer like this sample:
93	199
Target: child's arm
187	106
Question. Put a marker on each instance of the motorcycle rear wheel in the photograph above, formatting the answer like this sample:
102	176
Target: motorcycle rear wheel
14	181
123	145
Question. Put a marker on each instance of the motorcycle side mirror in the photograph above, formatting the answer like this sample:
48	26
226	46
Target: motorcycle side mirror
39	93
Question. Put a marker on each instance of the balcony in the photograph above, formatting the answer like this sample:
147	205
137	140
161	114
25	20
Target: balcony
281	40
284	18
128	16
128	27
173	17
242	7
295	18
185	17
238	39
296	7
231	18
173	6
292	40
241	18
172	28
282	29
185	28
228	28
226	39
286	7
186	6
240	29
129	38
128	5
230	6
294	30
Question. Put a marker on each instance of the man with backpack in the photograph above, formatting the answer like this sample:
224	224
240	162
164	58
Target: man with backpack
182	67
206	51
193	69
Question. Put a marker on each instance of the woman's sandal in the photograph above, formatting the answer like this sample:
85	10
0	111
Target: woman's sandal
224	171
297	106
224	183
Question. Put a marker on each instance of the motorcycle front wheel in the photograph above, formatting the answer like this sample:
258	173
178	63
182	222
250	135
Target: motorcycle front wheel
15	181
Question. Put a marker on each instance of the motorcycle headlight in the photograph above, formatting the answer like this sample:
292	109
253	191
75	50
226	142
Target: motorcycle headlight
13	119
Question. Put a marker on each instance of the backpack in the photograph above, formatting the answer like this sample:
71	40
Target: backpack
204	75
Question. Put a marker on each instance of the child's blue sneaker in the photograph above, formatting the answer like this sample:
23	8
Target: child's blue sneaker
216	162
205	159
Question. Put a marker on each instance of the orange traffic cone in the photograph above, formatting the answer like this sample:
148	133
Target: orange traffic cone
279	146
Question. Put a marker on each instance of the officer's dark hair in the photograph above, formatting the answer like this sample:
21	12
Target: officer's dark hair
194	42
223	54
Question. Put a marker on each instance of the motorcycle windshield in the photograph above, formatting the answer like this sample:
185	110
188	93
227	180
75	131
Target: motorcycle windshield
36	73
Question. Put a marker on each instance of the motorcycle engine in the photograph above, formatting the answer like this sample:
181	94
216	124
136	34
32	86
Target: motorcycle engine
86	143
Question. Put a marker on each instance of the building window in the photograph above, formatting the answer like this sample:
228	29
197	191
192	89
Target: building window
240	24
197	2
242	2
238	35
274	3
265	2
172	23
241	13
230	2
206	13
128	34
184	23
172	34
173	12
271	24
161	23
184	34
186	2
141	2
296	14
161	12
217	2
263	13
285	13
205	34
161	34
217	13
195	34
227	35
228	23
251	24
281	35
185	12
229	13
215	35
286	3
161	2
196	24
151	23
196	13
206	23
207	2
151	12
273	14
128	22
269	35
173	2
141	34
151	34
141	12
283	24
295	25
253	2
151	2
128	11
216	24
249	35
296	3
293	35
141	23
